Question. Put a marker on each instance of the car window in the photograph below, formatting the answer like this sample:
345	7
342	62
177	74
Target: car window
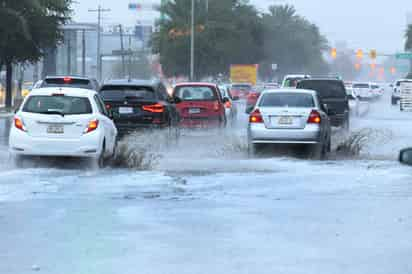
361	86
196	93
297	100
100	105
66	105
325	89
125	92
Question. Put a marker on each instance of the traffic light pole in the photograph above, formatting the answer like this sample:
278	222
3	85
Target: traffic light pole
192	43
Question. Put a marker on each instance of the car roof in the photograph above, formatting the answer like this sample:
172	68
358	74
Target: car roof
80	92
322	79
196	84
290	90
296	75
131	82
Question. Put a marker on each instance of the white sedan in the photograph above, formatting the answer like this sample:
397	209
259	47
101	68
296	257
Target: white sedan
66	122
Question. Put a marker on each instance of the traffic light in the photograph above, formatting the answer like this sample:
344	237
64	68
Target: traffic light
334	53
373	54
359	54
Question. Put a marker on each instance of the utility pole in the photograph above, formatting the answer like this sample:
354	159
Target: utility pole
122	49
83	52
99	11
192	43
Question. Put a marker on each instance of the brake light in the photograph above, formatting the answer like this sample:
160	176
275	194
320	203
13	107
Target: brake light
256	117
228	104
156	108
92	126
18	123
314	117
67	80
216	106
108	106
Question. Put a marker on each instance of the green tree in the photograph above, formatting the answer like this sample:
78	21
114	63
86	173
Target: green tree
227	32
27	29
292	42
408	45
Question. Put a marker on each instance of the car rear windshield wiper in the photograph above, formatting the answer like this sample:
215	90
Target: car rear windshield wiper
51	112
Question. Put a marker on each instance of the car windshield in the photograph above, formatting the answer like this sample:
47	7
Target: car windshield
67	82
325	88
287	100
65	105
361	86
195	93
116	93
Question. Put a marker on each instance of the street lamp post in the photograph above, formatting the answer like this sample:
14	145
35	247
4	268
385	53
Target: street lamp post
192	43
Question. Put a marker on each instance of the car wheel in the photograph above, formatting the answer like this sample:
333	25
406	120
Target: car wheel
317	151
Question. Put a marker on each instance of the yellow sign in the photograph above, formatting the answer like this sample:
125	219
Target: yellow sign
244	74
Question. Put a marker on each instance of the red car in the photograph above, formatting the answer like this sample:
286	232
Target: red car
201	106
241	90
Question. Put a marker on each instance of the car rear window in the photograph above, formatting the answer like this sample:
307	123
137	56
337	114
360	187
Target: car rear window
325	89
67	82
293	82
243	87
360	85
294	100
196	93
67	105
119	92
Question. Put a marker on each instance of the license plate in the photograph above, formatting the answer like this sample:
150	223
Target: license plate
285	120
125	110
194	110
55	129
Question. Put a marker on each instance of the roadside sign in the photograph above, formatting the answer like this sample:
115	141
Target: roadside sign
405	55
274	67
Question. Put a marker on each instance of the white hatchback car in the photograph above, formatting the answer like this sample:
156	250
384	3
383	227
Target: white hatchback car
66	122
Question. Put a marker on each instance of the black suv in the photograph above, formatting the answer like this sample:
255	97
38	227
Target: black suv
139	104
332	95
70	82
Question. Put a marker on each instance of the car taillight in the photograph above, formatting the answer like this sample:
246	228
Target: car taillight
67	80
228	104
92	126
156	108
18	123
216	106
256	117
314	117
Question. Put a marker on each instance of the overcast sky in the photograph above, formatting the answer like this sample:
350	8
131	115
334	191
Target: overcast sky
363	24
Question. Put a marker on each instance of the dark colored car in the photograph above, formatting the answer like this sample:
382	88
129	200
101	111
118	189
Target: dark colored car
139	104
70	81
332	95
241	90
201	105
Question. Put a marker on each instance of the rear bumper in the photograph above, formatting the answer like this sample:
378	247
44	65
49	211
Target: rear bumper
259	134
88	145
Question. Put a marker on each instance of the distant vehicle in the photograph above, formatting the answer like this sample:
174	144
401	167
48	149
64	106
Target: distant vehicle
70	81
271	86
353	101
364	91
241	90
291	81
405	156
201	105
377	90
66	122
290	117
332	94
396	94
252	99
231	107
140	104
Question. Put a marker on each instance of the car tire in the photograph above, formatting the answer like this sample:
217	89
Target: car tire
100	160
393	101
317	151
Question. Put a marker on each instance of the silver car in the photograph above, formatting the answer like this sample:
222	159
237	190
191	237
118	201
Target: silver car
288	116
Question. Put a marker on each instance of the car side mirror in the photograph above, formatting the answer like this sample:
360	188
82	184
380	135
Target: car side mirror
249	109
405	156
176	100
236	98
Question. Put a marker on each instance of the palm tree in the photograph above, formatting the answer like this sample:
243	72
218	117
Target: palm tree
408	46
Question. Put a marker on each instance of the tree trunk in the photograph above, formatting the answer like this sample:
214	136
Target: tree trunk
9	84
